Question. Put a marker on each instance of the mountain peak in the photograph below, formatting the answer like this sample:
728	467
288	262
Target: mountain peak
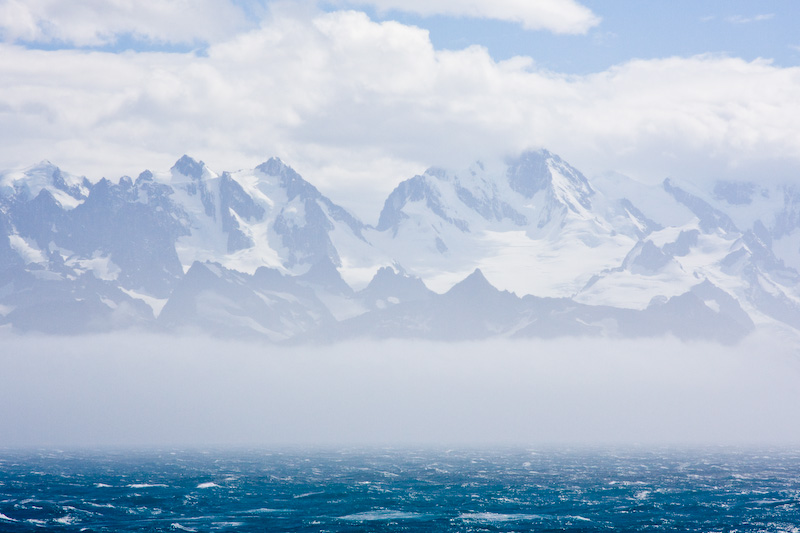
27	183
417	189
44	164
410	190
144	176
44	169
436	172
539	170
474	284
477	274
389	284
274	167
189	167
290	180
474	297
388	277
385	274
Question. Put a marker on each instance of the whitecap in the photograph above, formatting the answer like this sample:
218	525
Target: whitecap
381	514
145	485
178	526
578	517
67	520
306	495
100	505
227	524
498	517
772	502
4	517
207	485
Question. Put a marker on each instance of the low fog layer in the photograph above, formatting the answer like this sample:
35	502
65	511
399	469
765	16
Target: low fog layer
131	390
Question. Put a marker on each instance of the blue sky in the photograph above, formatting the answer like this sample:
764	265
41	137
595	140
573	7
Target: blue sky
633	29
360	94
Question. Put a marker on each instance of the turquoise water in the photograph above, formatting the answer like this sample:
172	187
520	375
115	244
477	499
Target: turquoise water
390	490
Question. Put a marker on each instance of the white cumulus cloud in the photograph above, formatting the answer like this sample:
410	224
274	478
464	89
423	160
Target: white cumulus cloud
557	16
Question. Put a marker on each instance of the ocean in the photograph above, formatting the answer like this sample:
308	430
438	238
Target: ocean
376	490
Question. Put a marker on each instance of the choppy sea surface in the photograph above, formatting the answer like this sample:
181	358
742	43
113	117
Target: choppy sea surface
393	490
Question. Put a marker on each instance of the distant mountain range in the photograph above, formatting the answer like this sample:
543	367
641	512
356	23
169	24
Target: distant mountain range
527	249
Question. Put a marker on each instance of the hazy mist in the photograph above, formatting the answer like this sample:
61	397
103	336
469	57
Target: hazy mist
147	390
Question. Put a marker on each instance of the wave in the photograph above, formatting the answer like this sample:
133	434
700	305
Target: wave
500	517
176	525
515	517
381	514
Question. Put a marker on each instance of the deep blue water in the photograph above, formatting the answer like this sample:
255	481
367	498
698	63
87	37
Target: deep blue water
522	490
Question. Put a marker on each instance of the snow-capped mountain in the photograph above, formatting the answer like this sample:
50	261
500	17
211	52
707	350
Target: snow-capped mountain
267	216
527	248
523	225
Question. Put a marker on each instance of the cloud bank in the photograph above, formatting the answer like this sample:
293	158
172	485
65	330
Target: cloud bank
145	390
